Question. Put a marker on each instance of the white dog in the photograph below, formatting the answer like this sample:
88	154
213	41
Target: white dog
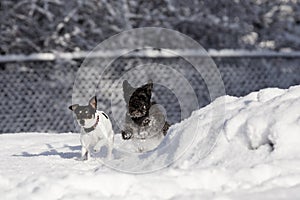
96	129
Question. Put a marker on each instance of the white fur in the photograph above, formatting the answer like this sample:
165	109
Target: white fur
102	135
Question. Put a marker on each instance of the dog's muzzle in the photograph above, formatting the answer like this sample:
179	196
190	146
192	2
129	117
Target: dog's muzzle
137	114
81	122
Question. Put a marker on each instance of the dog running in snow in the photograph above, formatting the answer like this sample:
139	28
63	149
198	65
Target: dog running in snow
96	129
145	123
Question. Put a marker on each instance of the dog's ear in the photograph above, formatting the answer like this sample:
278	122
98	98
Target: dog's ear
93	102
73	107
148	87
127	90
126	86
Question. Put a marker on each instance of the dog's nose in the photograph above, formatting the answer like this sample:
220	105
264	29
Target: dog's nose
81	122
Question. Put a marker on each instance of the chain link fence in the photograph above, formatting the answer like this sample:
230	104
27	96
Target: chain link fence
35	95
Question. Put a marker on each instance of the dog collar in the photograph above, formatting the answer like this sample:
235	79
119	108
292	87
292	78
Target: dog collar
87	130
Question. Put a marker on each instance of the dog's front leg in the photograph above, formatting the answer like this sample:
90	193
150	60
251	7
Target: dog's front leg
98	145
84	153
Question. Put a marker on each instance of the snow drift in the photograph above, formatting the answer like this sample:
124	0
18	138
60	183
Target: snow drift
248	149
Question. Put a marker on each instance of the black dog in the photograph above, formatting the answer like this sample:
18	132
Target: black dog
144	119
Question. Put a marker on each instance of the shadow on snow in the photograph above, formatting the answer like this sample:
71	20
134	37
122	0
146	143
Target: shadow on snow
53	152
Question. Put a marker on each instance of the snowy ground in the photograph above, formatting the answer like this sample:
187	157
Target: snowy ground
256	155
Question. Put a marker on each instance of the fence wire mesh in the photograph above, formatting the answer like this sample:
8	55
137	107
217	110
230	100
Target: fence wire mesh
35	95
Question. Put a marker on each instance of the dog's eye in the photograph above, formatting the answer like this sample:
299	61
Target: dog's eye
144	106
80	112
86	112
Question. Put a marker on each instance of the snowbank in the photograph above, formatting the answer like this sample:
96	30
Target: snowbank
248	149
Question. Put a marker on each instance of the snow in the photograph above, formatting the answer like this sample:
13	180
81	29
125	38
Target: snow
249	149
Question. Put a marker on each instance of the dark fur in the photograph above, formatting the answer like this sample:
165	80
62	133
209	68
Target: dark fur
143	116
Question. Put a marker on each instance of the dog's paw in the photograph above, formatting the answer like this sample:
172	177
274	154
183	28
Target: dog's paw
83	158
140	149
146	122
96	150
126	135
